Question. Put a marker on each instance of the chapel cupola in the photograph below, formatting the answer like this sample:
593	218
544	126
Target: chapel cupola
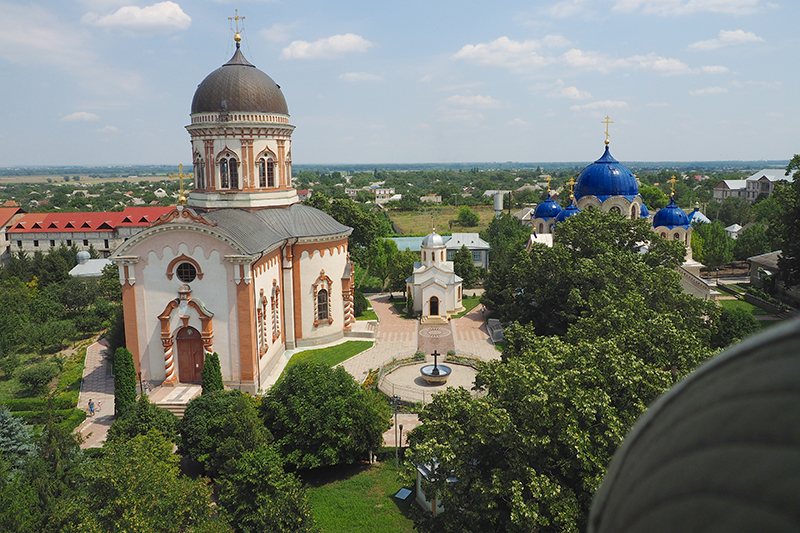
241	139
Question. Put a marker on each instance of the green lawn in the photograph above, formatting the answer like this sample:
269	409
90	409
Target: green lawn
741	304
418	221
359	498
369	314
332	355
469	303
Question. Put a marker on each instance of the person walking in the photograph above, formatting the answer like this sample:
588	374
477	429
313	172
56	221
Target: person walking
91	407
99	406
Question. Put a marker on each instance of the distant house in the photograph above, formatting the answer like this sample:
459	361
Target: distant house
762	183
759	185
525	216
303	194
765	266
382	194
477	246
431	199
8	216
88	267
104	231
734	230
726	188
160	193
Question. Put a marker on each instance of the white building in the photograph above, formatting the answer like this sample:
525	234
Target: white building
434	285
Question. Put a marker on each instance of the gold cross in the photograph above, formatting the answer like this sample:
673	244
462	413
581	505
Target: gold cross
607	121
673	181
571	184
548	179
180	176
237	18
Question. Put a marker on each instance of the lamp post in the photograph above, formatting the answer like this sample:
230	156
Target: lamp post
141	385
395	401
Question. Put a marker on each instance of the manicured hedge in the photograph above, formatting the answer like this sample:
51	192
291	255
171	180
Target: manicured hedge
41	404
61	416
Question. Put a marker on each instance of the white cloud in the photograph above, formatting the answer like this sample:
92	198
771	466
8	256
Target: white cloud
604	104
326	48
108	129
591	61
714	69
359	76
477	100
708	91
567	8
277	33
504	52
518	122
687	7
462	115
660	65
573	93
80	116
162	17
726	38
658	104
426	78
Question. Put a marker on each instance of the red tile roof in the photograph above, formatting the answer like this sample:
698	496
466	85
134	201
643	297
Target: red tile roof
87	221
7	212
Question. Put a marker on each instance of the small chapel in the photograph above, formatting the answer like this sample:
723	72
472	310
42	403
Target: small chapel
434	287
239	267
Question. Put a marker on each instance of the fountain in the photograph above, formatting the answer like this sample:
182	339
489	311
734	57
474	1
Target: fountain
435	374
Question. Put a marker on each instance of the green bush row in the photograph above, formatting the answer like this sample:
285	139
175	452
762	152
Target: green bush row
61	416
65	401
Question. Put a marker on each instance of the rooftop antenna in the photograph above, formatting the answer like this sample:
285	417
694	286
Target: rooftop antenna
607	121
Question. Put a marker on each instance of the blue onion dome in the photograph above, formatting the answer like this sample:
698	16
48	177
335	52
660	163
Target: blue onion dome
567	212
644	213
671	216
605	178
547	209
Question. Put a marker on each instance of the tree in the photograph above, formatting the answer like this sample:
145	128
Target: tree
37	376
752	241
146	416
136	486
212	374
320	416
467	217
259	496
732	210
219	427
401	269
734	324
124	381
16	440
789	201
465	267
716	247
529	454
654	198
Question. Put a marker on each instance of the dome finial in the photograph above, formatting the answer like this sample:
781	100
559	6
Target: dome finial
548	179
673	181
607	121
571	184
237	37
180	176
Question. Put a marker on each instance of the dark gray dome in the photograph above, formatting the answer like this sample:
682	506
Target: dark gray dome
238	86
719	452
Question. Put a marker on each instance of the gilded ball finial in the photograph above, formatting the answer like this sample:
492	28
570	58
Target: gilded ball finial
182	200
237	37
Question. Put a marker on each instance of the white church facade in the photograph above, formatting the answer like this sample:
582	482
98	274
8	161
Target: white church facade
239	267
434	287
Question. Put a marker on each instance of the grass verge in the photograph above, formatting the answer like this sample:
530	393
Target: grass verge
741	304
332	355
359	498
469	303
369	314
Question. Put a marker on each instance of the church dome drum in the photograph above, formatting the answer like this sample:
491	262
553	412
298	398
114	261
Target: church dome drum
605	178
238	86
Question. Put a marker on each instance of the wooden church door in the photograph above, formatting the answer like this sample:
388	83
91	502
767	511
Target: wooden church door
190	355
434	306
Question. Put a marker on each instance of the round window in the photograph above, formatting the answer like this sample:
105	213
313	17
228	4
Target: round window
186	272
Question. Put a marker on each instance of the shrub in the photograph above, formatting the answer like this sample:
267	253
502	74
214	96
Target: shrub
37	377
212	374
124	381
141	419
9	363
360	303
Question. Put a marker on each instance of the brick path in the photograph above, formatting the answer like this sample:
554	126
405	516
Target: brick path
97	384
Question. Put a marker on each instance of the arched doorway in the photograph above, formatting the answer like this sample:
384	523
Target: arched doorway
190	355
434	306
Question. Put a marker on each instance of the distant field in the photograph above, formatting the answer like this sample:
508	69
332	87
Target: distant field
419	221
84	179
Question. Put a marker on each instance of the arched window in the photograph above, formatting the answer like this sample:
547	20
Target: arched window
223	174
229	172
266	172
322	306
541	228
616	210
199	175
322	294
676	236
663	235
424	256
633	211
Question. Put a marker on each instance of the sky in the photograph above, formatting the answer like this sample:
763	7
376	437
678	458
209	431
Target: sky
107	82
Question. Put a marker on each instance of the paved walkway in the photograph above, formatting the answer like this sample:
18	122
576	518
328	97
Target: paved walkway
98	385
397	338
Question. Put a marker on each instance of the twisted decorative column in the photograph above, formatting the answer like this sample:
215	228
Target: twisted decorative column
169	361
